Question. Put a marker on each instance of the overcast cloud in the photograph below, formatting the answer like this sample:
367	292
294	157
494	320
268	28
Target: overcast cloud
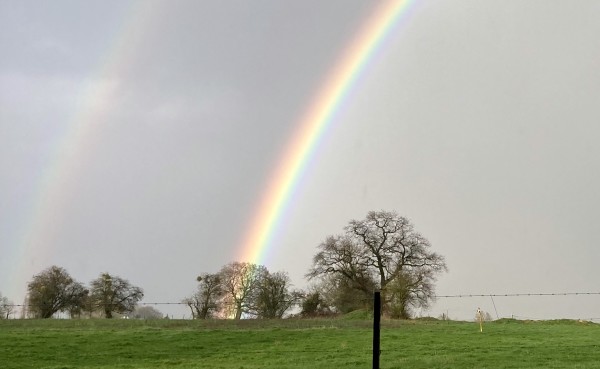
477	120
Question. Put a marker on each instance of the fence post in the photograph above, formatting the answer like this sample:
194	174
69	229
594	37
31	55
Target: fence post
376	328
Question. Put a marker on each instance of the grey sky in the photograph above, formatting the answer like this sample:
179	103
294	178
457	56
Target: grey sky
477	120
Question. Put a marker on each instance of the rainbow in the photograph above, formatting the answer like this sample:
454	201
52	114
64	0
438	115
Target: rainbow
55	178
313	127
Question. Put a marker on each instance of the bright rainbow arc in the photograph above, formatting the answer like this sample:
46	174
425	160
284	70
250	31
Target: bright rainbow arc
313	126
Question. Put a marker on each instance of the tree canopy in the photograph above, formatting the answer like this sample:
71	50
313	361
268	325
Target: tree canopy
382	251
242	289
54	290
113	294
206	302
274	297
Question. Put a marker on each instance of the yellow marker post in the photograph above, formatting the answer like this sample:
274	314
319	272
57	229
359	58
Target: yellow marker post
480	318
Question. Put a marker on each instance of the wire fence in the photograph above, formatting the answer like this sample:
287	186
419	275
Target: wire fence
459	311
518	294
462	295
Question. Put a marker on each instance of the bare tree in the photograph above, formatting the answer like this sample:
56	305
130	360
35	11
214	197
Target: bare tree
54	290
274	296
384	252
410	289
317	301
7	307
206	301
240	283
112	294
313	305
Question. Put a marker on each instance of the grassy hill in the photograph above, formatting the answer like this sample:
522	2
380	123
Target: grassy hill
281	344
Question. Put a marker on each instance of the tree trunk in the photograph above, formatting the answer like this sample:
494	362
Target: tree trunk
238	311
204	312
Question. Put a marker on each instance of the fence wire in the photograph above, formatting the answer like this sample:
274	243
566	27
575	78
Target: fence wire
460	295
518	294
367	301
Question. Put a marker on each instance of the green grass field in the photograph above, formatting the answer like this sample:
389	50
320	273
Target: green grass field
295	344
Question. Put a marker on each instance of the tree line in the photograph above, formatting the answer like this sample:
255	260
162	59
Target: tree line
243	290
54	290
381	252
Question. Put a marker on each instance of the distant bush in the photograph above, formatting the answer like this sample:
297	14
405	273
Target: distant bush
507	321
427	319
146	312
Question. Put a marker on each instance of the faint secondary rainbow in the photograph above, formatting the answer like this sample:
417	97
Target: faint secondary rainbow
313	126
69	148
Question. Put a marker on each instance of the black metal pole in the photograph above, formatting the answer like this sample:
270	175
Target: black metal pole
376	328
